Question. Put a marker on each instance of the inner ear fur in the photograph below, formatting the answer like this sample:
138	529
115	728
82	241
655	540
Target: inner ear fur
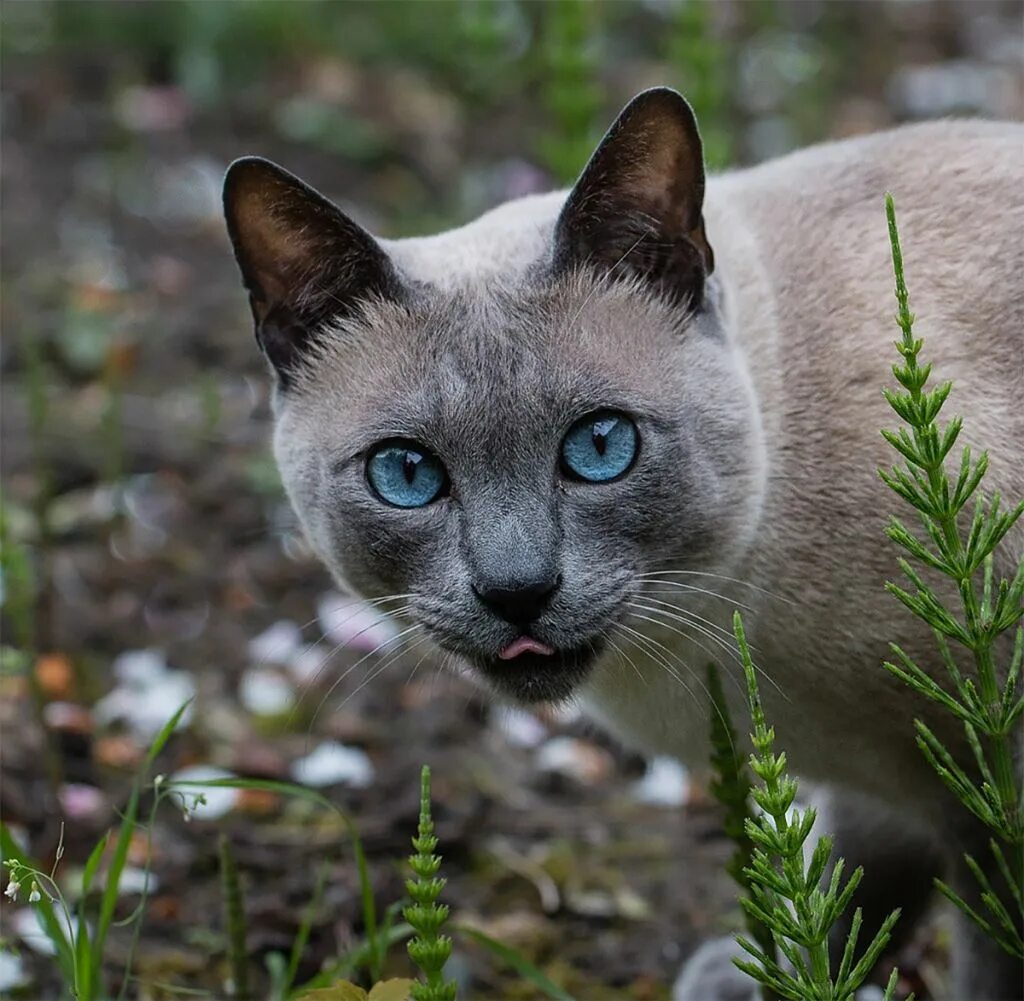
303	261
637	207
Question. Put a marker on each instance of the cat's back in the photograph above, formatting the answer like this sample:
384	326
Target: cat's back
812	226
808	257
816	221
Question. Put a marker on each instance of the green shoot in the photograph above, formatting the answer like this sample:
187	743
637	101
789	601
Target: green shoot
234	921
730	785
791	896
962	549
429	950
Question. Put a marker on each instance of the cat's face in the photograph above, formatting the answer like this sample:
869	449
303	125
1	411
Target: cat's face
509	456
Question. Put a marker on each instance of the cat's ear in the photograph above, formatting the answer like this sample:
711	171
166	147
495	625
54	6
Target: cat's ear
303	261
636	208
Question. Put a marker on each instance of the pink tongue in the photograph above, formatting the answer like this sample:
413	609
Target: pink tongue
525	644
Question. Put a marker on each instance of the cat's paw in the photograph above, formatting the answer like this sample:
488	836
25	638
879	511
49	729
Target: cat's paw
709	975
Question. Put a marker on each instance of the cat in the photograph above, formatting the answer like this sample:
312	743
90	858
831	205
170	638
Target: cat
575	434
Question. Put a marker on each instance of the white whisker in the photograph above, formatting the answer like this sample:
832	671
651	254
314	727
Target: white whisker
732	651
378	671
652	651
645	580
380	646
717	576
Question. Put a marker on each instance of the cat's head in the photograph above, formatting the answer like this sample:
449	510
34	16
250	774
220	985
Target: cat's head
506	426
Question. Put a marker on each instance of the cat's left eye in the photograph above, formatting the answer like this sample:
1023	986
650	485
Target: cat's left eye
600	447
405	474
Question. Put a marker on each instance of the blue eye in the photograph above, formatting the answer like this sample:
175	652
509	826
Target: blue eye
406	474
600	447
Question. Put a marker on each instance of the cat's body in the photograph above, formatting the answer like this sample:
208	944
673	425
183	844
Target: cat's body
753	376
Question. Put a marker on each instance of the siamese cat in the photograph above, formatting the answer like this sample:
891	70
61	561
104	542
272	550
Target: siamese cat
575	434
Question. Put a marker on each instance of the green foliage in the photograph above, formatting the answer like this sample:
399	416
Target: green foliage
962	548
234	921
730	785
571	95
429	949
18	581
80	944
796	900
701	58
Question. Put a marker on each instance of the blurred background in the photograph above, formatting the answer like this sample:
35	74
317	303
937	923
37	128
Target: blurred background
148	552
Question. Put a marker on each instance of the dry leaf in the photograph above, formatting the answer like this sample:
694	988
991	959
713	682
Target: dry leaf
55	675
392	990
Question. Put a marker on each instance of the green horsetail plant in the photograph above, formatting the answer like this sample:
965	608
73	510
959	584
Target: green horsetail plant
730	785
429	949
234	921
962	549
790	895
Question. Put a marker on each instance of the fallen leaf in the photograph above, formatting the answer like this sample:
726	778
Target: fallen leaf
117	752
396	989
257	801
55	675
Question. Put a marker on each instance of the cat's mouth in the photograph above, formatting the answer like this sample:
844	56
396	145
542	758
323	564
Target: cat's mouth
531	671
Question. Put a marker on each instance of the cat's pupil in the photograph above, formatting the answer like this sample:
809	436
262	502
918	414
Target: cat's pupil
409	463
599	434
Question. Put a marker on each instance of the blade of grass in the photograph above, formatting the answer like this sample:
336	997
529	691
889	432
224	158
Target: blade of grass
108	901
305	926
93	863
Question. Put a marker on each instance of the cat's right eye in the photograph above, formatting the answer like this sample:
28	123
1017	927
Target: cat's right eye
600	447
405	474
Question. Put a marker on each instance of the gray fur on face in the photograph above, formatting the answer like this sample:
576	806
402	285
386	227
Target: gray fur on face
490	379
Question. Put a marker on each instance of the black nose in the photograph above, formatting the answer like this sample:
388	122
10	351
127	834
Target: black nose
519	602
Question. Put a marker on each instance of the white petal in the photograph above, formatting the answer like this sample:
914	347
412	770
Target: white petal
307	661
277	644
585	762
353	623
134	879
521	728
264	692
29	928
332	764
141	668
12	971
665	783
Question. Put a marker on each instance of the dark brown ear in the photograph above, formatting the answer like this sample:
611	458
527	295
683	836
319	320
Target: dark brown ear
636	208
302	259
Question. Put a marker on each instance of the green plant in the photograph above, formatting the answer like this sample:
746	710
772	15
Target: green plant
571	95
701	58
789	895
234	921
429	949
961	549
79	944
730	785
